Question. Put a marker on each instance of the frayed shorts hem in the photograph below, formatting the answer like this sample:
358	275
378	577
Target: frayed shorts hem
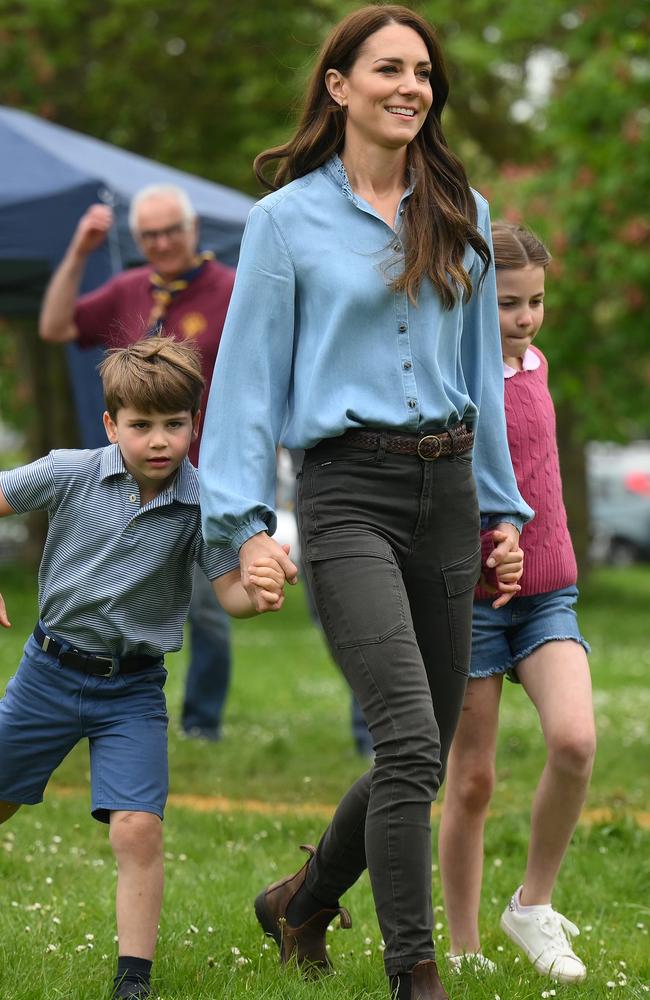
510	668
503	637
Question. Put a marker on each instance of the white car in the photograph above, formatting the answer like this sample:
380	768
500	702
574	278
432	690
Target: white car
618	479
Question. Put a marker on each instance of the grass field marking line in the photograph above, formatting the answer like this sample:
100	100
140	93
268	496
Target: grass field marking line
220	803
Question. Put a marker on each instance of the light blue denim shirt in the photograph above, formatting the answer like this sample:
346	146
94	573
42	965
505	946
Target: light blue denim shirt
316	342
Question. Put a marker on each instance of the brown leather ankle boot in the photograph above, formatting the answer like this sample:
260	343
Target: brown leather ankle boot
304	944
425	982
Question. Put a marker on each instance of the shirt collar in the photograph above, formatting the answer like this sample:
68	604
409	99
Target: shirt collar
336	171
529	363
184	487
112	463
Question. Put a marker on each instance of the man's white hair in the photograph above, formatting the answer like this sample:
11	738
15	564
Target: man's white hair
154	191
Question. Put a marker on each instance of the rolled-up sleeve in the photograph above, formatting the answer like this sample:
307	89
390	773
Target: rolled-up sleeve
248	397
498	494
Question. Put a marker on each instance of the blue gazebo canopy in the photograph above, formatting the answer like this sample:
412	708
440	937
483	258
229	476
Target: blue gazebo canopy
50	174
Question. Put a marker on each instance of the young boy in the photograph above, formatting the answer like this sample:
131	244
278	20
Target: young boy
114	588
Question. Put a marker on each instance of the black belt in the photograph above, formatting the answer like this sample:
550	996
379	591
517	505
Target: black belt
91	663
453	441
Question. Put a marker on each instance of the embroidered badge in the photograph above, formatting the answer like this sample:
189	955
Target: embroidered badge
193	324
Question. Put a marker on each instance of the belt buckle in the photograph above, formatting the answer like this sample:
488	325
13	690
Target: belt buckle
113	660
437	448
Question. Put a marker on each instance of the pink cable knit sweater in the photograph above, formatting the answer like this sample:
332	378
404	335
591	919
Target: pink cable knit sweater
549	560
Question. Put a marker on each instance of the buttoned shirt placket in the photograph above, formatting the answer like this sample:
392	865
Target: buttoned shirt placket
393	264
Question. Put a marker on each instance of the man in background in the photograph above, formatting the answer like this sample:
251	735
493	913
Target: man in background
181	293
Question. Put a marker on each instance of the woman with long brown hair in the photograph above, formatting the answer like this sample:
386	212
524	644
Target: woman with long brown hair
364	328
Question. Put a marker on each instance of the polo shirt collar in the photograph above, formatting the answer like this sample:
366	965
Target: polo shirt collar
112	463
184	488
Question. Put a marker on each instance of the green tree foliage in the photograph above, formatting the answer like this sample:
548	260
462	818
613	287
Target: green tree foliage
585	190
199	85
549	108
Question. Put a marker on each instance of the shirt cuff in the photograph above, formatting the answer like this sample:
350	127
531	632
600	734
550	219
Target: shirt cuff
489	521
247	531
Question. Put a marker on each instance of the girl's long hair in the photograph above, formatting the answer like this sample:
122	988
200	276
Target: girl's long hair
440	216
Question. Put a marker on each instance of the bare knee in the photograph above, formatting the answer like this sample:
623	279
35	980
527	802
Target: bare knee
7	810
136	836
573	753
471	789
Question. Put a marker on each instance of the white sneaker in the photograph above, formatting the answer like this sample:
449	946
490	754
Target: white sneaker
543	934
472	960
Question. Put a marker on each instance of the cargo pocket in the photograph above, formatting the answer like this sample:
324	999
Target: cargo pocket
460	580
357	587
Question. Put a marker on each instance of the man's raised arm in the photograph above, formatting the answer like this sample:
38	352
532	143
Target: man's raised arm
56	323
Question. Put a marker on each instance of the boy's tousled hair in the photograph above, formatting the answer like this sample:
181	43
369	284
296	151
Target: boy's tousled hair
516	247
158	374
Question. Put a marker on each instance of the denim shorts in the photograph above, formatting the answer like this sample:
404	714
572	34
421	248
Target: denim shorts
48	708
503	637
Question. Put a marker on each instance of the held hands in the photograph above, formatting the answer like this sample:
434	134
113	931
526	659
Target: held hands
4	620
265	566
268	579
92	229
507	561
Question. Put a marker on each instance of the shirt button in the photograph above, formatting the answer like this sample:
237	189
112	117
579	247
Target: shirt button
412	403
402	328
133	498
407	366
397	247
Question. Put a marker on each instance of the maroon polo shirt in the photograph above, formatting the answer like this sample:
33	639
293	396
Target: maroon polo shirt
118	313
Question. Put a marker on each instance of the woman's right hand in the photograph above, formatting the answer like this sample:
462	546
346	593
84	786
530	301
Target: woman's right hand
255	549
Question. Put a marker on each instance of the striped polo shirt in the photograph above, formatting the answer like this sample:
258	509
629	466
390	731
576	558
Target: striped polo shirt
115	577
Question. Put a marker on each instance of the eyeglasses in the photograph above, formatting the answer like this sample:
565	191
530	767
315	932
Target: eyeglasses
150	236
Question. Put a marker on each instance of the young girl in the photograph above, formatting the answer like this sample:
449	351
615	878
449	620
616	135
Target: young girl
535	639
363	328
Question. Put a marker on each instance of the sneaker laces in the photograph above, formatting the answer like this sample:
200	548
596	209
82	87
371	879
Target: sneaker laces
559	929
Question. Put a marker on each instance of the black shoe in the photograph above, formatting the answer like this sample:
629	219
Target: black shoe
129	989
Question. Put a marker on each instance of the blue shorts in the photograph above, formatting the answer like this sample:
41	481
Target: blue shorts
503	637
48	708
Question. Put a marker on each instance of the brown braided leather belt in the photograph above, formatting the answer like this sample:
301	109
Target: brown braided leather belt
453	441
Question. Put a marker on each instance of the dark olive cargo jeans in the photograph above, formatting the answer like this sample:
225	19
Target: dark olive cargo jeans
390	545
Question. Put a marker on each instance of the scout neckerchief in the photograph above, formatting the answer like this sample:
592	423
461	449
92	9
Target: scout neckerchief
163	292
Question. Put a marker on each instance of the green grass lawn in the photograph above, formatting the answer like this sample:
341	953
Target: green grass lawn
287	741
